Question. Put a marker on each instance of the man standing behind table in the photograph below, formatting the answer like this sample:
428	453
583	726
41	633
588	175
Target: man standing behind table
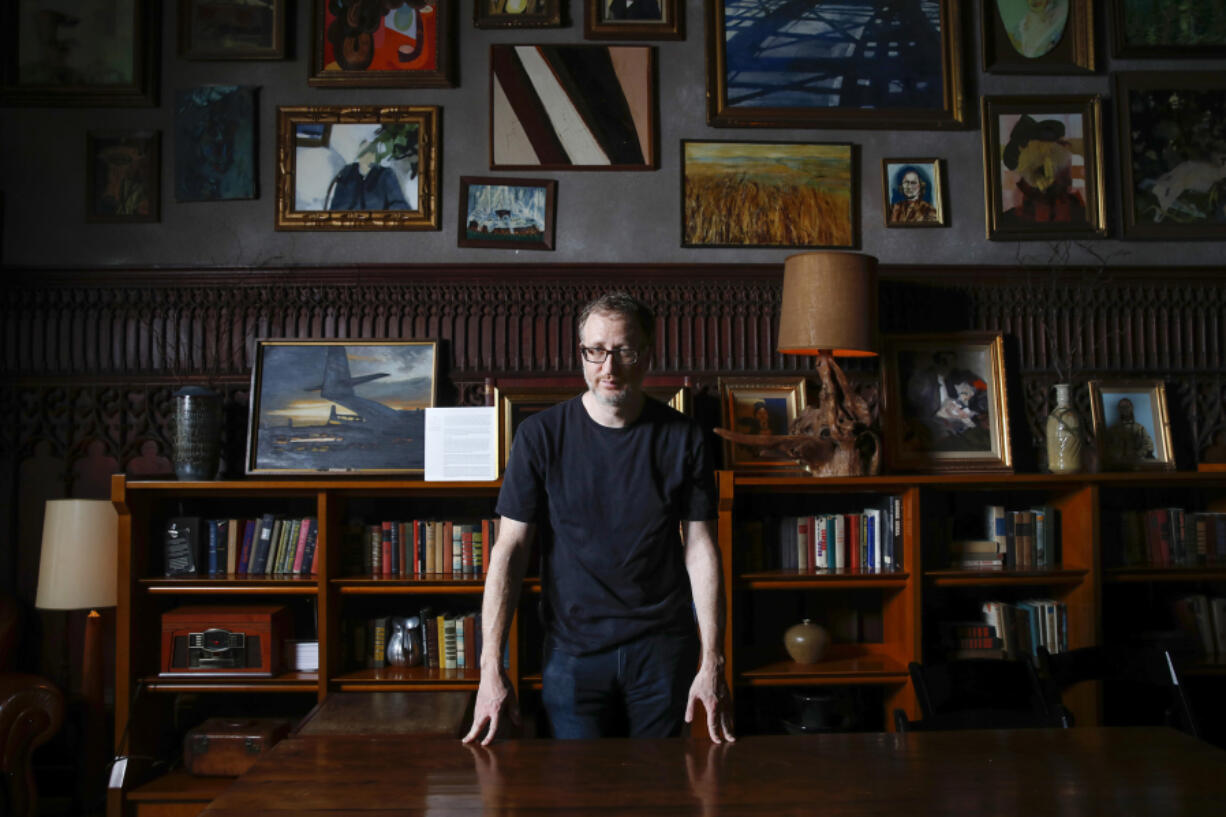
615	476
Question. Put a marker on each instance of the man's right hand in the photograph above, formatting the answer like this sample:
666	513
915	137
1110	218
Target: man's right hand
495	697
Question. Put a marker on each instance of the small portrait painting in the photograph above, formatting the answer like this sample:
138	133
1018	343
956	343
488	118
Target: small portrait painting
1130	425
914	194
1035	27
762	406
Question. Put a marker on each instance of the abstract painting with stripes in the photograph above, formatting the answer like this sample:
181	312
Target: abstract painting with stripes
572	107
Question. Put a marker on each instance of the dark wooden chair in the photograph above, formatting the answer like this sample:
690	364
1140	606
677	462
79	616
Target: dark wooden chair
1149	672
983	693
31	712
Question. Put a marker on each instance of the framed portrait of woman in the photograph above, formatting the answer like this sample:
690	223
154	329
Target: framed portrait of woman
763	406
913	191
1038	36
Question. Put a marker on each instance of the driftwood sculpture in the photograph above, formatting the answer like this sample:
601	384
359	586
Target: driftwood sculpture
833	438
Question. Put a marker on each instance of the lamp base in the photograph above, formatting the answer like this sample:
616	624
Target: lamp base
833	438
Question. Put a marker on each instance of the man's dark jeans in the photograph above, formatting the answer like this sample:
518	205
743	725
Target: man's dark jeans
638	689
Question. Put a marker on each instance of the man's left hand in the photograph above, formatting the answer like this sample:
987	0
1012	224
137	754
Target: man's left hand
710	690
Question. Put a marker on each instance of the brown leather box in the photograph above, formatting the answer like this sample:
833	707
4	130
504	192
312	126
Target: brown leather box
226	747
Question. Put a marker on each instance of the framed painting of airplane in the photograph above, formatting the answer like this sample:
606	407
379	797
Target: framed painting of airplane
340	406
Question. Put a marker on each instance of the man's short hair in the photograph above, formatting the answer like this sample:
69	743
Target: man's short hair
626	305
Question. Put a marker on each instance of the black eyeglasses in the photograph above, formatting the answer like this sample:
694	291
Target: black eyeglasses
594	354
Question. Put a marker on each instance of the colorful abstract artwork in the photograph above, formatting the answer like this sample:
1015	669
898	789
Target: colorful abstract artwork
768	194
572	107
215	143
374	43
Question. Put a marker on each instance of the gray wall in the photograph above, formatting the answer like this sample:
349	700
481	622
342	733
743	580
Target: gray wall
602	216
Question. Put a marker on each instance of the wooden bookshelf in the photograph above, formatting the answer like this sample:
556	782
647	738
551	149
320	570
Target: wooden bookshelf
895	610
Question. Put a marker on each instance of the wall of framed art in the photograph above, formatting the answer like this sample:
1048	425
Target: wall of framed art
986	48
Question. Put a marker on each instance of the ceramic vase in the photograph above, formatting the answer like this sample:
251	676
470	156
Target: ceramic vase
1063	435
198	416
806	642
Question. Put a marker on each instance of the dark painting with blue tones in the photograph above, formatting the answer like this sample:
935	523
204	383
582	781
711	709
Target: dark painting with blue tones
215	143
853	54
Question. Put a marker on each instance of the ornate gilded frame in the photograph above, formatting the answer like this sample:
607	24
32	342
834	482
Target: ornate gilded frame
1104	393
424	217
1001	226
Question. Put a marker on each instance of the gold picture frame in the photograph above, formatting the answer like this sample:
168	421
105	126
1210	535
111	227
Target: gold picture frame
1023	137
750	83
760	405
1141	442
945	405
320	154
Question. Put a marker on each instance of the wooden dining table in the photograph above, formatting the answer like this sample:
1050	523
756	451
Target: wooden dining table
1027	772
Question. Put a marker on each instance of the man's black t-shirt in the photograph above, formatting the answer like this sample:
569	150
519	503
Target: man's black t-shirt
609	503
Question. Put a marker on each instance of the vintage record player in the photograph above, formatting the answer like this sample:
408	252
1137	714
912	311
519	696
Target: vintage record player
224	640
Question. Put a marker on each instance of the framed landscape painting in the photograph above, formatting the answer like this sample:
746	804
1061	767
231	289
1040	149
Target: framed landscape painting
832	65
79	52
572	107
768	194
358	168
347	406
1159	28
123	176
634	19
517	13
514	214
232	29
1172	153
1038	36
945	406
1042	161
369	45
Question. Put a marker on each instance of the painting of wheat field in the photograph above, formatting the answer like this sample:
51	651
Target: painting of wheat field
768	194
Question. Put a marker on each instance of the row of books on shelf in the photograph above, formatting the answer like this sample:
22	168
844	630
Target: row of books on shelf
1026	539
1009	630
432	640
1170	537
865	540
267	545
401	548
1206	617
